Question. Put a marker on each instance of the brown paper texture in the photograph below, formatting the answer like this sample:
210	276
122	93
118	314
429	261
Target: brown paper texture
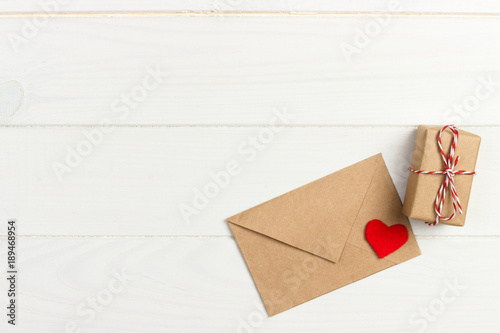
422	189
311	240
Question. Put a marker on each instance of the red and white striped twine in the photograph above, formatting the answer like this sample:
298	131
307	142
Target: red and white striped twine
449	165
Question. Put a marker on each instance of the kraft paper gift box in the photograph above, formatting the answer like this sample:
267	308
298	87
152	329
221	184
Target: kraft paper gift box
311	241
422	189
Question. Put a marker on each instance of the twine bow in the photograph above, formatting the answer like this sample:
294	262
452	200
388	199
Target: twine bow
450	162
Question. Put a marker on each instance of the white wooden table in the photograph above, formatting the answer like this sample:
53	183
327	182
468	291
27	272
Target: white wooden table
115	116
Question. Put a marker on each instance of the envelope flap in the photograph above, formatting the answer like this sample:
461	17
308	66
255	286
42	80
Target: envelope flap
382	202
316	217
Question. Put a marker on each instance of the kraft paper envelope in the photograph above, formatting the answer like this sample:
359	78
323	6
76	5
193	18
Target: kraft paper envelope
310	241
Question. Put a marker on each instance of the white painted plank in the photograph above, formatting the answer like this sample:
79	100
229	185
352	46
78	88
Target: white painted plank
233	70
310	6
135	181
194	285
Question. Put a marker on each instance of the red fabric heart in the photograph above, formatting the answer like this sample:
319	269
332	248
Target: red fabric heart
383	239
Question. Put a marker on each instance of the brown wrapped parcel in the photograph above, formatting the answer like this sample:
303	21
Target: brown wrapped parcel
422	189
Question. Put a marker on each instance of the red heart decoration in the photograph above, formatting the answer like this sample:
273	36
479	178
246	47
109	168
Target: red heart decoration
383	239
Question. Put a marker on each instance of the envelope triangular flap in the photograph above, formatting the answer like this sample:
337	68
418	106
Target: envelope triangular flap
316	217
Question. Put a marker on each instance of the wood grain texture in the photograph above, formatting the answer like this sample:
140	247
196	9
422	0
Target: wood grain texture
135	181
232	70
200	284
285	6
118	208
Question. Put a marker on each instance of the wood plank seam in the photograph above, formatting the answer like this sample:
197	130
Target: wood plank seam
241	14
230	126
